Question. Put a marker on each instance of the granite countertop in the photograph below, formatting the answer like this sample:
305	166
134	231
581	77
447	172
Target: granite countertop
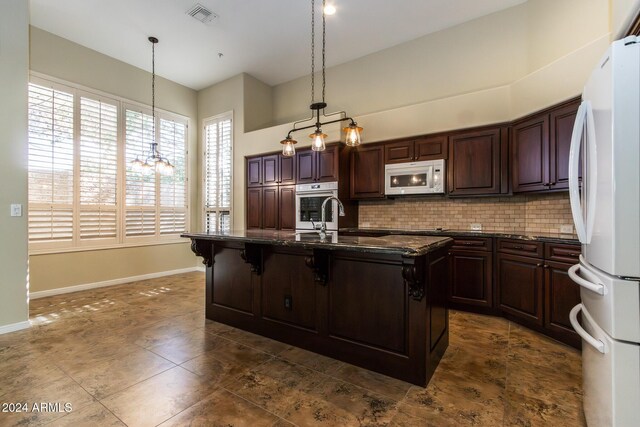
521	235
394	243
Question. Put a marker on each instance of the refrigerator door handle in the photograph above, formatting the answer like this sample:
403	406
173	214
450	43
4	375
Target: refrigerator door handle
573	318
592	170
592	284
574	158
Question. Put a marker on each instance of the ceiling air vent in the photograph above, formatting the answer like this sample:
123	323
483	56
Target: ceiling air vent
201	13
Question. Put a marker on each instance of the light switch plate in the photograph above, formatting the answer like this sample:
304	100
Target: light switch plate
476	227
566	229
16	209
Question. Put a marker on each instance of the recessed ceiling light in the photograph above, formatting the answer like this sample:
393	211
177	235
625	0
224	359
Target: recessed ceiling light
329	9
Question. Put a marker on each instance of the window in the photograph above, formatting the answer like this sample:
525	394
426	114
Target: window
82	192
218	143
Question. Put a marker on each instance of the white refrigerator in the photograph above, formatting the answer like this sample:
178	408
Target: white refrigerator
606	213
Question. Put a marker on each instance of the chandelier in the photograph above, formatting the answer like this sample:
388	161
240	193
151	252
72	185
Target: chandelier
352	130
154	161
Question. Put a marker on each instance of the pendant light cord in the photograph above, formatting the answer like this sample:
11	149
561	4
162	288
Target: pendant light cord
153	82
324	36
313	50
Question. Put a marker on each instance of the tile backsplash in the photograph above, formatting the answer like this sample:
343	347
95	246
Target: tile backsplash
539	213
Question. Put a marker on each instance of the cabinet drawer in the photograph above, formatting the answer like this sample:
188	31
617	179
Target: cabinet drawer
562	252
472	243
520	247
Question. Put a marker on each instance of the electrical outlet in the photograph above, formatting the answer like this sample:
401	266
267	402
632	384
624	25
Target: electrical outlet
566	229
288	302
476	227
16	209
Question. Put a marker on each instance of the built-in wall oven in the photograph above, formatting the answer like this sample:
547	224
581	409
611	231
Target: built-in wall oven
309	198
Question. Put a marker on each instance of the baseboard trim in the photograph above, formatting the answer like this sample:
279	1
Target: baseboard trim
14	327
120	281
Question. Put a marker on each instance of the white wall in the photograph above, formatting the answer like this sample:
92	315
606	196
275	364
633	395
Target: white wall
14	67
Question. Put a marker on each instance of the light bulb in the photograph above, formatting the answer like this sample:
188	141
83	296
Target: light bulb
329	9
137	165
288	147
317	143
147	169
352	135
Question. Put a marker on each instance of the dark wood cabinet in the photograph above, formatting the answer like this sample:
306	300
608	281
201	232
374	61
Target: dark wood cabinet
471	273
471	278
475	162
254	207
254	171
287	207
520	287
561	127
413	150
270	208
561	295
540	149
367	172
271	203
317	166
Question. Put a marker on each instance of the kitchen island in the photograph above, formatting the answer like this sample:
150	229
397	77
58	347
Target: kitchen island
375	302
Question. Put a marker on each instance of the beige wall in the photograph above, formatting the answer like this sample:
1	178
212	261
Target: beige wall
53	271
258	105
622	14
493	69
63	59
14	66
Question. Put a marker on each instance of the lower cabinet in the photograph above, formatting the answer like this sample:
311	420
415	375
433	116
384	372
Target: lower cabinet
537	291
271	208
471	274
520	287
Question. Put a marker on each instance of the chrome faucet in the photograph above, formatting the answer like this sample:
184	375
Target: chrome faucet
323	224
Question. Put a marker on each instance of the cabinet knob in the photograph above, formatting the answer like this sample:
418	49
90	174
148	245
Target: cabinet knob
539	265
574	255
545	266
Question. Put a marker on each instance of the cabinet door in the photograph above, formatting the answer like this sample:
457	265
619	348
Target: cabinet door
561	122
270	208
305	167
254	207
327	164
474	163
254	172
367	172
287	170
287	208
270	170
431	148
520	290
471	278
398	152
530	154
561	295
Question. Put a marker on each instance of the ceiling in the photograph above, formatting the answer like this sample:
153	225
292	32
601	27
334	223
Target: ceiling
269	39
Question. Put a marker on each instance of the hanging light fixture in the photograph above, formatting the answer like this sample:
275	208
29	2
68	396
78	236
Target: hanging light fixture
352	131
154	161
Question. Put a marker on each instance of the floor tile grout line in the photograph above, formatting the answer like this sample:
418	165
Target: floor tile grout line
255	404
135	384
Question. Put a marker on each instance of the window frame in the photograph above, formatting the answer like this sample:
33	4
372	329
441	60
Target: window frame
205	122
121	240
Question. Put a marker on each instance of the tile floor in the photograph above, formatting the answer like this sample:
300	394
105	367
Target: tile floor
142	354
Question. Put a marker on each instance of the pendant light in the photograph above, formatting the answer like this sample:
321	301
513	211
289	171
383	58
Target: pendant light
154	161
352	131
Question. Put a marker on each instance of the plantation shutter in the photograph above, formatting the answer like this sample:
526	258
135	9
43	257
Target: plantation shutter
217	165
140	198
173	188
98	169
50	164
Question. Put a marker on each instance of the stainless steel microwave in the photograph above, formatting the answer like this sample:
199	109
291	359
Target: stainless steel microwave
425	177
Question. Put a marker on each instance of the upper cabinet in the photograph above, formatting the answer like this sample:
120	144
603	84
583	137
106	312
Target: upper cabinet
317	166
540	149
274	169
367	172
415	150
478	162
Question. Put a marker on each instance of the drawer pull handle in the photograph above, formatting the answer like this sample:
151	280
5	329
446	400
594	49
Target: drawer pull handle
573	254
472	243
518	247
